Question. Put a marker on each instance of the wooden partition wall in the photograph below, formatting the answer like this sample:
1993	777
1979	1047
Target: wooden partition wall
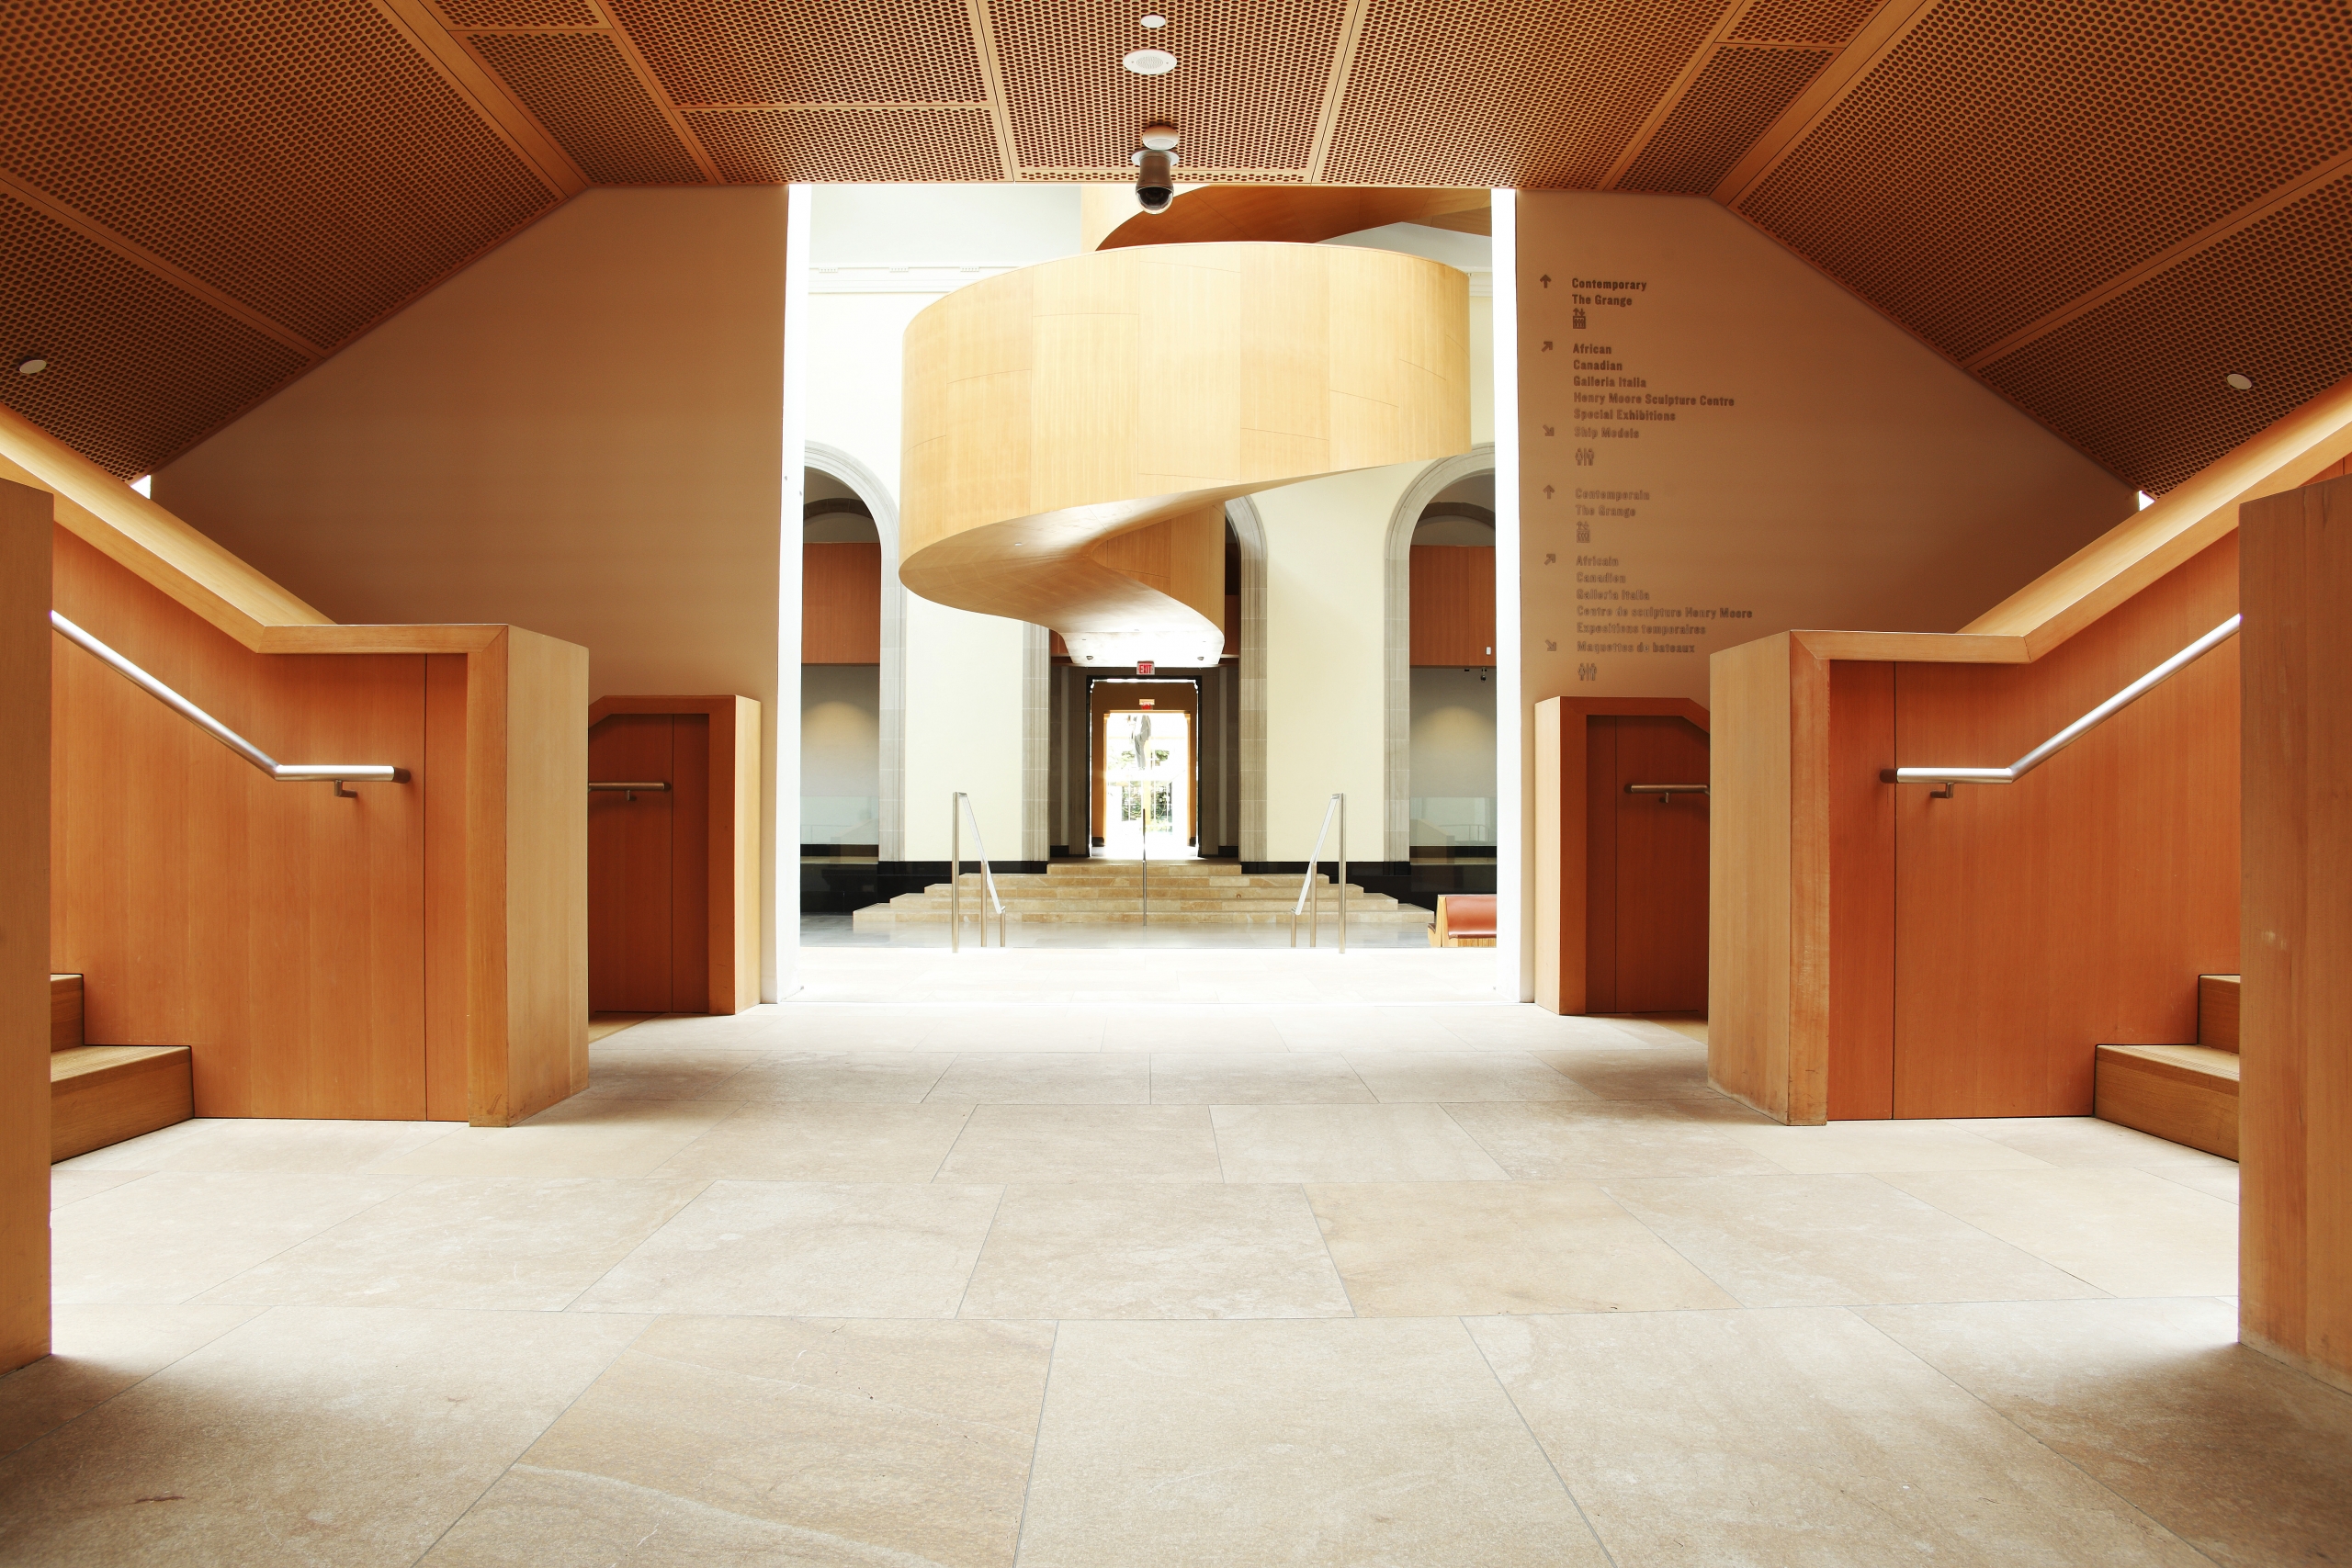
1579	954
1876	951
23	925
2295	1032
418	952
674	922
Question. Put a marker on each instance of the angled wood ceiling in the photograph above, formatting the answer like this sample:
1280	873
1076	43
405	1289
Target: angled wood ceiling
2100	208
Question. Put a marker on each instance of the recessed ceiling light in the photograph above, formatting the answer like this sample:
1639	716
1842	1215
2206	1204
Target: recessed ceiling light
1151	62
32	364
2239	380
1155	22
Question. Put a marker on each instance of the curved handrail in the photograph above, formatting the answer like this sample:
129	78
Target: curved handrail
2123	699
336	773
1308	894
959	807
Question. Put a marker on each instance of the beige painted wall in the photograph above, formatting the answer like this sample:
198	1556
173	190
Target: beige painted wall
1326	542
1855	479
581	433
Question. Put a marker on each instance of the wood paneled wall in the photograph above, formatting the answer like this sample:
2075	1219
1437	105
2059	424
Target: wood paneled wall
840	603
2295	1029
1564	874
1452	600
24	924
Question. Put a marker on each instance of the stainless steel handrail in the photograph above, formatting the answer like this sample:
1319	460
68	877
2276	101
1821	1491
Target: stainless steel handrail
2123	699
630	789
959	806
336	773
1309	895
1665	793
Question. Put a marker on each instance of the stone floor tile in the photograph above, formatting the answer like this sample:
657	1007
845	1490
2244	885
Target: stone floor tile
514	1243
1307	1444
2217	1181
625	1070
2127	1232
1042	1027
785	1141
779	1441
1776	1241
1404	1077
1604	1139
71	1185
1085	1142
1154	1249
867	1077
2247	1461
585	1135
1869	1146
264	1144
1628	1069
806	1250
176	1234
96	1352
1255	1078
2086	1140
320	1436
1200	1027
1443	1248
1036	1078
1348	1143
1800	1437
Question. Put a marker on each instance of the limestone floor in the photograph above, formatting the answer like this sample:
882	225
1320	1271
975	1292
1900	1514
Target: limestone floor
1090	1285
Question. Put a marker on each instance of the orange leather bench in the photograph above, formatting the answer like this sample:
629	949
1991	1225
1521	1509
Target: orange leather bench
1463	919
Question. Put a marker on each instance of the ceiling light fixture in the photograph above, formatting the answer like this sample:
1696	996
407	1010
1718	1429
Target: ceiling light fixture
2239	381
32	364
1155	22
1150	62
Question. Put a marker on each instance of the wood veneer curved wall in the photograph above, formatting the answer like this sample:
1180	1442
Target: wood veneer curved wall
1073	429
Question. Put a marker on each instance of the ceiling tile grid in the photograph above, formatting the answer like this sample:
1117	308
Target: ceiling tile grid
1476	93
302	159
1248	82
848	146
1735	100
807	51
583	90
2137	382
2011	155
138	369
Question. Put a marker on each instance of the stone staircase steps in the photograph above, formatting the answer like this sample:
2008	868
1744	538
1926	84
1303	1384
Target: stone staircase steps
1112	893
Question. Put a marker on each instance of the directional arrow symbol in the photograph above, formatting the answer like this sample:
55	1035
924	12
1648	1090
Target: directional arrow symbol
1546	280
1547	493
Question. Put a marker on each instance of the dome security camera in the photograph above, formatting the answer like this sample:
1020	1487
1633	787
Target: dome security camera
1155	163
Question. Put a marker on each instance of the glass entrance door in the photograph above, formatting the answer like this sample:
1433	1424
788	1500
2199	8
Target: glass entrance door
1147	782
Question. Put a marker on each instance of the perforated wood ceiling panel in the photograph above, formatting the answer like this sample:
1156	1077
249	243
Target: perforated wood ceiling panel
2138	382
520	13
807	51
299	157
849	145
137	367
1075	106
585	93
1740	93
1475	93
2011	155
1814	21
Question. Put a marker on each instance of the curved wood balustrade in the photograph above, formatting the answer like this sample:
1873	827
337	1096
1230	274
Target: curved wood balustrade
1074	429
1299	214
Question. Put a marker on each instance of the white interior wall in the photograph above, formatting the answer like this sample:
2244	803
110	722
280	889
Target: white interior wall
1454	733
879	255
841	736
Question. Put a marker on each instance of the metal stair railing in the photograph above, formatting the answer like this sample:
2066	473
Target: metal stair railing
959	806
1309	896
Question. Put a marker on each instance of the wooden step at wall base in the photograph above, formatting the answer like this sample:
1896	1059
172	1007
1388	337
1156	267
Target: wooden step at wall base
103	1094
64	1011
2186	1093
2217	1011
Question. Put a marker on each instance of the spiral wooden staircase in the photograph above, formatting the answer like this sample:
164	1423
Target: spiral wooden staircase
1074	429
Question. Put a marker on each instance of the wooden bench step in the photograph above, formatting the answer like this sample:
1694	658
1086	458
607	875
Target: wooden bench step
2186	1093
103	1094
64	1011
2217	1011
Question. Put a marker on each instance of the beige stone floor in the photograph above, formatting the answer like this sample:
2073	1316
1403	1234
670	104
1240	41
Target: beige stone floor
1087	1285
